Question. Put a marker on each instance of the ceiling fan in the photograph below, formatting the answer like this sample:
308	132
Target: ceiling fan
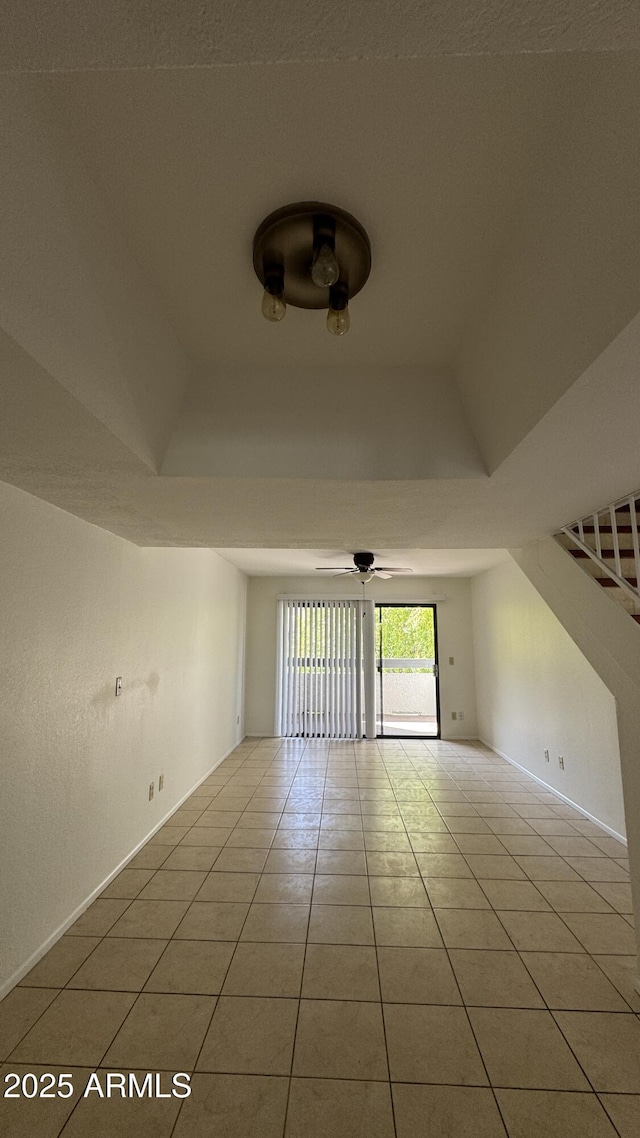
363	563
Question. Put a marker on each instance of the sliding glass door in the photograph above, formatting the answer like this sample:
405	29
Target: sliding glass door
407	696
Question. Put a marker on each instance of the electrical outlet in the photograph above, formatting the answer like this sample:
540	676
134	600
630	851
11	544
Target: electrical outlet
454	714
150	791
561	762
118	685
546	755
160	782
451	660
461	715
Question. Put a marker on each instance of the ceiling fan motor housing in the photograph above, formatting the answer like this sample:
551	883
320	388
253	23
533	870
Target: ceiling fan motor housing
363	561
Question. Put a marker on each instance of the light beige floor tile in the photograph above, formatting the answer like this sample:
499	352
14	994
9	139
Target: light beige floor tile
553	1114
276	922
494	867
196	967
341	924
192	857
602	932
539	932
39	1117
222	818
480	844
157	919
383	841
173	885
625	1112
19	1010
572	981
76	1028
119	964
432	843
623	974
259	820
455	893
494	979
240	861
515	895
249	837
149	857
239	887
574	846
523	1048
598	868
608	1047
128	883
162	1032
265	970
294	888
501	826
609	845
308	840
392	865
340	889
445	1112
58	965
573	897
398	891
547	869
417	976
99	918
234	1106
117	1117
616	893
292	861
250	1035
333	1108
340	972
471	928
340	1039
428	1044
212	920
443	865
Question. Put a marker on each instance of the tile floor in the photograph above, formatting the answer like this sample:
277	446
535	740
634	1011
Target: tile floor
397	938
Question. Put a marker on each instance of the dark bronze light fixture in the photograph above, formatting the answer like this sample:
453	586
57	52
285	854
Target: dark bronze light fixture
311	255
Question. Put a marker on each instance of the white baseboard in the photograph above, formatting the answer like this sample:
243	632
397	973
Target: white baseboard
525	770
80	909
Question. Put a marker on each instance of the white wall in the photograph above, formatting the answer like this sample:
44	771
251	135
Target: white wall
457	683
536	690
79	607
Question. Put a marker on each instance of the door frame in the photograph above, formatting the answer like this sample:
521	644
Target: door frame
412	605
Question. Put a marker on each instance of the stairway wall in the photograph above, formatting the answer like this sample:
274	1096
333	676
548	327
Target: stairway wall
610	640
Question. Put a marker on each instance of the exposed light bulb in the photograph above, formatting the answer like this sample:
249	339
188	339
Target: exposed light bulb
274	307
325	269
338	321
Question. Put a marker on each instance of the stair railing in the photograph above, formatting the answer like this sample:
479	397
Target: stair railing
576	532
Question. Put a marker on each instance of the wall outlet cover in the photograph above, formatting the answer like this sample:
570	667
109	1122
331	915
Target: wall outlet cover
160	782
118	685
454	714
150	791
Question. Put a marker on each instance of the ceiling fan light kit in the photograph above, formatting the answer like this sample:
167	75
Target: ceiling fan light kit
364	567
311	255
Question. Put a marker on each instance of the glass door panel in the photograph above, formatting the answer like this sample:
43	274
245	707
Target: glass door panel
407	701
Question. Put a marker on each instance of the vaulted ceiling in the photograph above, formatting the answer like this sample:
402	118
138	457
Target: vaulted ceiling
487	391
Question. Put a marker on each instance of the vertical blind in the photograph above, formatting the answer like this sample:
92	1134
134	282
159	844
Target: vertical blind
319	669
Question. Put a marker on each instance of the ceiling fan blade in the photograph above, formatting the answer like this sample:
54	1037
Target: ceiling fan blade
331	568
381	573
394	569
347	573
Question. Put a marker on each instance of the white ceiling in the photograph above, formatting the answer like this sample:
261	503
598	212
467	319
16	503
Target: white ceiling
485	392
305	562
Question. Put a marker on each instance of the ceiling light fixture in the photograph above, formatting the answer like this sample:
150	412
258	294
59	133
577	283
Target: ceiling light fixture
311	255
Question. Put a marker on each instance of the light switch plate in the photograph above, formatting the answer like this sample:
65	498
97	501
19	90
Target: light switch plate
118	685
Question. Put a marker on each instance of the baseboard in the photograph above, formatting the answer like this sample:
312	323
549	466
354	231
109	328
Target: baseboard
525	770
80	909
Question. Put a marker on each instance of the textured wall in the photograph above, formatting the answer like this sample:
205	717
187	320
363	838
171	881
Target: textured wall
79	607
536	690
